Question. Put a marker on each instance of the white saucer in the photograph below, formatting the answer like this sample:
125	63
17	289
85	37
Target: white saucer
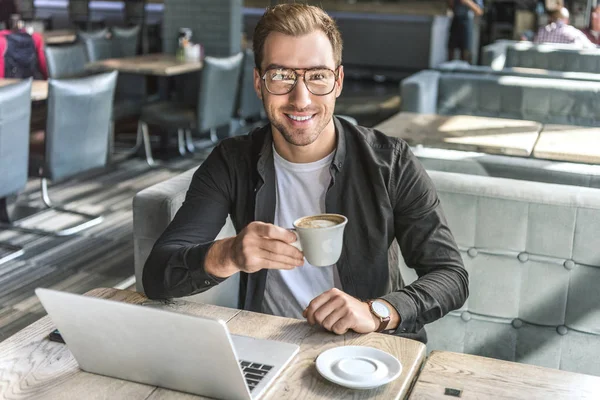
358	367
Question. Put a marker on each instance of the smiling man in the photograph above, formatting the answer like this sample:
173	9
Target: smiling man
306	162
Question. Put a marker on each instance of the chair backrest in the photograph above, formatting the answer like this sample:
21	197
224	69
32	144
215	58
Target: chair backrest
15	114
249	105
99	49
220	79
66	61
78	122
125	41
552	57
93	34
135	12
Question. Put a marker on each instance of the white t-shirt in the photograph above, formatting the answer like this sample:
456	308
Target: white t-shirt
301	190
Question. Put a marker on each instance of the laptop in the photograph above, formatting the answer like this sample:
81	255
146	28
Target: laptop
164	348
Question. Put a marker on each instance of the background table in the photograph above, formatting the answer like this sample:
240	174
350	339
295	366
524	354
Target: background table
39	89
463	132
488	378
569	143
33	367
59	36
149	64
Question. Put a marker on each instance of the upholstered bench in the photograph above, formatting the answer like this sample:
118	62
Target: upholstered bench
531	250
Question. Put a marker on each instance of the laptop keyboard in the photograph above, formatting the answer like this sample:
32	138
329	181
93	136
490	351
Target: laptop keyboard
254	372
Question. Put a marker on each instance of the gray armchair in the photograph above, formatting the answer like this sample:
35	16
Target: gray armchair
15	114
84	35
125	41
76	136
216	106
66	61
249	107
98	49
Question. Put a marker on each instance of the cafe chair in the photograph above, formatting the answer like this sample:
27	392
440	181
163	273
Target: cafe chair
250	107
125	41
66	61
76	137
15	114
80	15
219	81
103	33
99	49
135	14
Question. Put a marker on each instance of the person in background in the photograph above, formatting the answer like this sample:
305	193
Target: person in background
7	8
559	31
461	29
21	54
593	31
306	162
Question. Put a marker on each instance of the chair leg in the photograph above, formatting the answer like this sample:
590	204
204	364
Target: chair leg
181	141
147	144
111	142
90	219
14	250
189	141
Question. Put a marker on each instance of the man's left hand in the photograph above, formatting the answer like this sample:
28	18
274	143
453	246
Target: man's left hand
339	312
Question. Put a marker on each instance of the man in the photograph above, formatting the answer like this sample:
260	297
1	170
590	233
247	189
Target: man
7	8
559	31
461	29
21	54
593	32
306	162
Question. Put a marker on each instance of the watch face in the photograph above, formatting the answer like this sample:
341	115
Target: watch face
380	309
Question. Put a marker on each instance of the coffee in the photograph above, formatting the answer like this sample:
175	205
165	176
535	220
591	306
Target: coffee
319	221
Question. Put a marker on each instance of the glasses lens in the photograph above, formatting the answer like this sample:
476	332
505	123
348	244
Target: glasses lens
280	81
320	81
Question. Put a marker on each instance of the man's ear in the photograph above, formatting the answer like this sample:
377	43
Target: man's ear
340	81
257	83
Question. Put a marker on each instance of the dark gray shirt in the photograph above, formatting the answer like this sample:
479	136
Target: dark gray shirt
376	182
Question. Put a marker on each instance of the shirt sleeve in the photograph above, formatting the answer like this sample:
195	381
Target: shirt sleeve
428	246
39	46
175	266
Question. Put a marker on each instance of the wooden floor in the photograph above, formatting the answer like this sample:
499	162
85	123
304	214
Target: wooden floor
102	256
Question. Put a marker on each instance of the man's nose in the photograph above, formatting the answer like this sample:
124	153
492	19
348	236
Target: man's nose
300	96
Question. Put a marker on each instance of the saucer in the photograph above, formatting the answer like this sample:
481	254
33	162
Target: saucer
358	367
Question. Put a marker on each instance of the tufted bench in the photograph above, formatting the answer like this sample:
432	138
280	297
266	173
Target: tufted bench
531	250
556	57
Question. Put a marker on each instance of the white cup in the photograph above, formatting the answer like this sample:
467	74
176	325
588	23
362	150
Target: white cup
320	238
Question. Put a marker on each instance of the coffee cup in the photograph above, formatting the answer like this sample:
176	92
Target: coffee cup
320	238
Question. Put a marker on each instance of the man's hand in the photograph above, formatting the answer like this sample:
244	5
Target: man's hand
258	246
338	312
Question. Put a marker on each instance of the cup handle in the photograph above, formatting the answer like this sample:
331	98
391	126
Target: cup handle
297	243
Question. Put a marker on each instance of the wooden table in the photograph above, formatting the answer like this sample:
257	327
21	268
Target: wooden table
149	64
39	89
33	367
59	36
569	143
462	132
487	378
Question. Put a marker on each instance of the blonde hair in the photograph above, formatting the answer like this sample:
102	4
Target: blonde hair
296	20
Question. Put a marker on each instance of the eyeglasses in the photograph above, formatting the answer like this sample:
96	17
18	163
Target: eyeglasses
318	81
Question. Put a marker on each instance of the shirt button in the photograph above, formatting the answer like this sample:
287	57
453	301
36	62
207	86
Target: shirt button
207	282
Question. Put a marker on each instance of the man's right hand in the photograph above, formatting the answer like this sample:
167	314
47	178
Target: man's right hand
258	246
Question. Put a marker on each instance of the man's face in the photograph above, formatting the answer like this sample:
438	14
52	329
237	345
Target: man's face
596	19
298	116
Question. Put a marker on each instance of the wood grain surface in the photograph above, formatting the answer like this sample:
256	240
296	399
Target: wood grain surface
569	143
62	36
149	64
31	366
486	378
39	89
464	132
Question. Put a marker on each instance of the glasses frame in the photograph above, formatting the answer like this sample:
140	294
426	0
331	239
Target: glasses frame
336	73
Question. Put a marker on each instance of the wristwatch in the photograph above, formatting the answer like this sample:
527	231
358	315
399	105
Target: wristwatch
381	311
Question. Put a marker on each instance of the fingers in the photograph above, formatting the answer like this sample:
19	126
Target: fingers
281	248
273	232
272	260
317	303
